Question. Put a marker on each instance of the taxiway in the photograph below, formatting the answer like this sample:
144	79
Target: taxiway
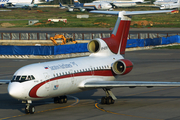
158	103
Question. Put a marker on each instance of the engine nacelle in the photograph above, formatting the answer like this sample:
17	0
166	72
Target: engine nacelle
122	67
94	46
82	9
166	6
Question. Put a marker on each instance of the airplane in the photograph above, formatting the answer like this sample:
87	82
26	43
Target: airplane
21	3
70	9
88	6
56	79
170	6
161	2
117	4
111	1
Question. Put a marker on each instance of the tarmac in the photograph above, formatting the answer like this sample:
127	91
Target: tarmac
157	103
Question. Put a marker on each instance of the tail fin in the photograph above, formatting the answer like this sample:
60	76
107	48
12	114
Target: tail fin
117	41
32	2
60	5
76	3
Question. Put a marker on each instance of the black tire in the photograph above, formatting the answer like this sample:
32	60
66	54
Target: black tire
112	101
26	110
56	100
65	99
31	109
61	100
109	100
103	100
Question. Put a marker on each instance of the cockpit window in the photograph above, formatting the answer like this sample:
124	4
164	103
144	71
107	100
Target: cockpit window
22	78
17	78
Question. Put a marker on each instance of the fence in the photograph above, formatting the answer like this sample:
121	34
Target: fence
79	48
77	36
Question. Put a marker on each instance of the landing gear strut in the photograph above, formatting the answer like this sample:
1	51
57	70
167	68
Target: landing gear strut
109	99
29	108
61	99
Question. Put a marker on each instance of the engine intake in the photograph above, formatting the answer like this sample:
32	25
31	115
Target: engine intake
122	67
94	46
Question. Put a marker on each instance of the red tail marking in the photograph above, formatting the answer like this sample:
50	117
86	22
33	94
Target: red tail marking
120	39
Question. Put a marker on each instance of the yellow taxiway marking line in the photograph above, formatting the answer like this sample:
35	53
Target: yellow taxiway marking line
96	105
72	105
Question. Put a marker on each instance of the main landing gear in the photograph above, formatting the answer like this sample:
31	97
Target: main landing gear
61	99
29	108
109	99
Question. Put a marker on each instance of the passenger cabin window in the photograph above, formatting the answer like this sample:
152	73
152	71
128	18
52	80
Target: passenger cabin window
23	78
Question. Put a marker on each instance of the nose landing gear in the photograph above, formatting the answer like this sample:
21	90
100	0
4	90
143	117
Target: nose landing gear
29	108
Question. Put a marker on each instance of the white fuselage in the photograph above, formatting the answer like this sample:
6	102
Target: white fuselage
170	6
162	2
62	77
99	5
14	2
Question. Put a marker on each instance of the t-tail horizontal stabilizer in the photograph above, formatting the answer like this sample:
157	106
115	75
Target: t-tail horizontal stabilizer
117	41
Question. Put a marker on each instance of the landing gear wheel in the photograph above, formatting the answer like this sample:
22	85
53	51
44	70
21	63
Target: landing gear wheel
103	100
61	100
65	99
109	100
26	110
56	100
29	109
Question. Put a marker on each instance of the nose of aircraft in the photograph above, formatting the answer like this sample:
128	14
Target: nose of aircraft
15	89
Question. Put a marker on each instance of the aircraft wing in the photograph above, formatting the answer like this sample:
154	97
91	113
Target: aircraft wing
129	13
91	8
4	82
131	84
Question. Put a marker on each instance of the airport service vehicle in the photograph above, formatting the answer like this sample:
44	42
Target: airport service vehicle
56	79
88	6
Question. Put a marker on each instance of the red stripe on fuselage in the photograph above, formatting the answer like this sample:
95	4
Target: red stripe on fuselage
33	91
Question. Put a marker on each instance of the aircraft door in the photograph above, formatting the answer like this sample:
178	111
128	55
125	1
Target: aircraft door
47	84
72	77
92	70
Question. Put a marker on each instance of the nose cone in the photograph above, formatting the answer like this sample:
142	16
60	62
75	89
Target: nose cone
15	89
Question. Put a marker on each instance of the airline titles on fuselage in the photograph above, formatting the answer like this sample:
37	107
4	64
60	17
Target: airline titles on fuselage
62	66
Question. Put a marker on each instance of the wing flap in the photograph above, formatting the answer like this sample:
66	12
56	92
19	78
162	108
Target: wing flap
113	84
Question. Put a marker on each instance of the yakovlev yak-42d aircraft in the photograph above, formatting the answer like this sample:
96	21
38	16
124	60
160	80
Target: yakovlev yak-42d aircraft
56	79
